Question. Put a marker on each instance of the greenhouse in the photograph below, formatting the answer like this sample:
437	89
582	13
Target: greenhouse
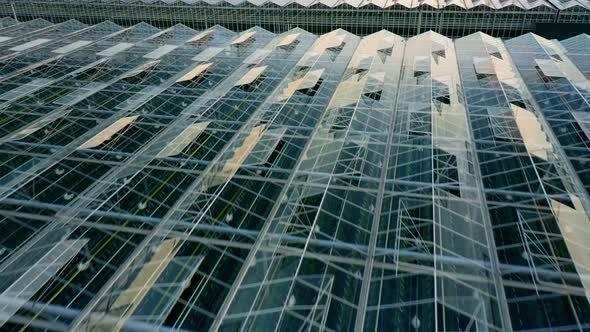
407	18
175	179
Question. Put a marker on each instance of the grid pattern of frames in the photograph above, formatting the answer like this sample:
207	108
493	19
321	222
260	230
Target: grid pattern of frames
177	179
452	18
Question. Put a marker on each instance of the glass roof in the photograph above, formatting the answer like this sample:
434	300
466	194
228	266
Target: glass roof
175	179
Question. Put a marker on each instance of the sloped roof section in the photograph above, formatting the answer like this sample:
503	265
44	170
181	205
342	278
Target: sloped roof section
290	181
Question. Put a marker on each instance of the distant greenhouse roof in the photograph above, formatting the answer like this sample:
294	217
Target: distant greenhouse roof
437	4
452	18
